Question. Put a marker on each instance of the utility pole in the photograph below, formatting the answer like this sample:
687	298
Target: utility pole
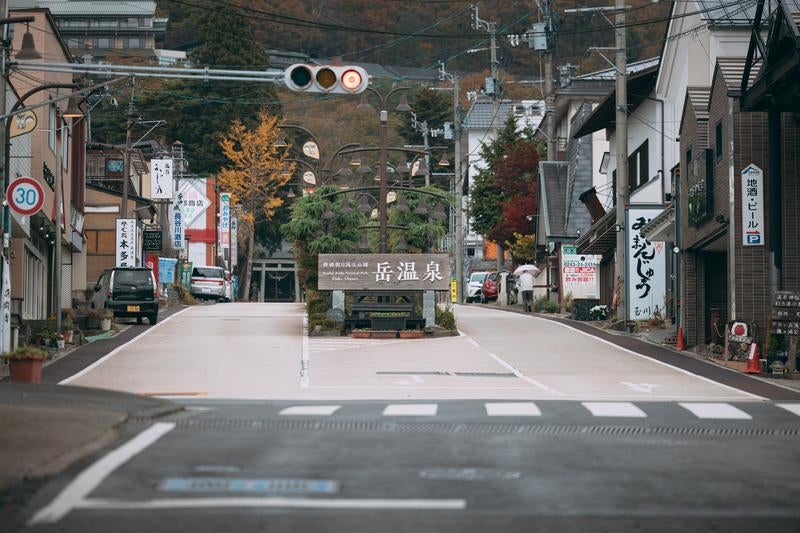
622	159
58	269
549	105
5	299
126	156
422	127
458	184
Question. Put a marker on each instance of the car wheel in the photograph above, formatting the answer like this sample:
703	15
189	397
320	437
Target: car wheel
139	320
483	299
153	318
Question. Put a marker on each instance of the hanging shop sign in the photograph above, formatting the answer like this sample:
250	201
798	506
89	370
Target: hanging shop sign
394	272
225	219
234	241
753	206
23	123
25	196
647	267
579	274
161	185
176	222
309	177
126	242
193	204
151	240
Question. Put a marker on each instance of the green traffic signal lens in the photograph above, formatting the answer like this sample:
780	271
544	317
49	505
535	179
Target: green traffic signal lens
301	76
326	78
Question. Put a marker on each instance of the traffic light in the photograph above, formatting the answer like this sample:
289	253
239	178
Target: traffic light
326	79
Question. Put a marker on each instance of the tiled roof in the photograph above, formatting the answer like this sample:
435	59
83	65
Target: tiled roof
732	70
610	74
482	112
98	7
726	13
699	97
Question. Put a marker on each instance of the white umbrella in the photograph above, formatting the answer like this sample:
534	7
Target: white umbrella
533	269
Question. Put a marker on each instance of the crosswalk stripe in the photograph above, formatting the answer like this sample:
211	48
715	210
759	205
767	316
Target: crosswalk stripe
716	410
411	409
512	409
310	410
614	409
791	407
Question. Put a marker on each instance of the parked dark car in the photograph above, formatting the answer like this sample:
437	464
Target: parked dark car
128	292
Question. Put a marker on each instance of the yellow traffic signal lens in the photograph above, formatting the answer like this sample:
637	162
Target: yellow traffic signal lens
301	76
326	78
351	80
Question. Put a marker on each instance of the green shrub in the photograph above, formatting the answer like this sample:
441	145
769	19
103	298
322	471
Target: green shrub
445	319
321	320
549	306
316	306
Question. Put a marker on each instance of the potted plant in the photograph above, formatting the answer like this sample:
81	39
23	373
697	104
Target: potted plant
411	334
105	319
67	324
26	364
60	341
361	334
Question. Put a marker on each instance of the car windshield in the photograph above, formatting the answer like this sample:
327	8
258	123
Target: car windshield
133	277
207	272
478	276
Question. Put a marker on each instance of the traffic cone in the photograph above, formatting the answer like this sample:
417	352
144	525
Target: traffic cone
753	362
679	344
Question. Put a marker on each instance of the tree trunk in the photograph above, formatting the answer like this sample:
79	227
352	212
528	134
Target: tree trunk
501	257
248	267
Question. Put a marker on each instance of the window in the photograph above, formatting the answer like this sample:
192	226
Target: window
35	291
132	42
639	166
102	42
718	141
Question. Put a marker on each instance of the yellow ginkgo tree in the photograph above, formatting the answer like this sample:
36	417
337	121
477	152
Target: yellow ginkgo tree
255	176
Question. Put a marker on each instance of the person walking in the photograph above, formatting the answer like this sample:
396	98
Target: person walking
525	286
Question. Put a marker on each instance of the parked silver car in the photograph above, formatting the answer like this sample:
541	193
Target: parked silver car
475	285
208	282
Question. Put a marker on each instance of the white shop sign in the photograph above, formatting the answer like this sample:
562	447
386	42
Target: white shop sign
579	273
126	242
161	185
194	203
647	267
752	206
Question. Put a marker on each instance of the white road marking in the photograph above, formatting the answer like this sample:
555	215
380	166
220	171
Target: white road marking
473	342
656	361
310	410
303	503
305	357
411	409
415	380
614	409
522	376
791	407
716	410
512	409
640	387
73	495
118	349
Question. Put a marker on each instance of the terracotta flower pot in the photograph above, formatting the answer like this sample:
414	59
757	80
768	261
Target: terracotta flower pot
26	370
361	334
412	334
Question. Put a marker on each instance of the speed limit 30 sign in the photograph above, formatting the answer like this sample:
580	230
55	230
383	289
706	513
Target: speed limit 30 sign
25	196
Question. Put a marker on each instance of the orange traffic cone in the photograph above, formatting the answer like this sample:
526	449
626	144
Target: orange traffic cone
753	362
679	344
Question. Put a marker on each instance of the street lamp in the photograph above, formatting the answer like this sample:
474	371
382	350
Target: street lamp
384	126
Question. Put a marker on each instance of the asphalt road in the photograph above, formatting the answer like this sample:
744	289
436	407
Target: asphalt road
518	424
266	466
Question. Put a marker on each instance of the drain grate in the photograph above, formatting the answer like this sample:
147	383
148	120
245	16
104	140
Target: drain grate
477	428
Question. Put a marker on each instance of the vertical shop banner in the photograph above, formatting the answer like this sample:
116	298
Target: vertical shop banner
647	267
161	185
5	328
234	242
151	262
176	222
126	242
753	206
579	273
225	220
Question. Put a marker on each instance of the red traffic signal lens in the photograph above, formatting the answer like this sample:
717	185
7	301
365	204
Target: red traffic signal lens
351	80
301	76
326	78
